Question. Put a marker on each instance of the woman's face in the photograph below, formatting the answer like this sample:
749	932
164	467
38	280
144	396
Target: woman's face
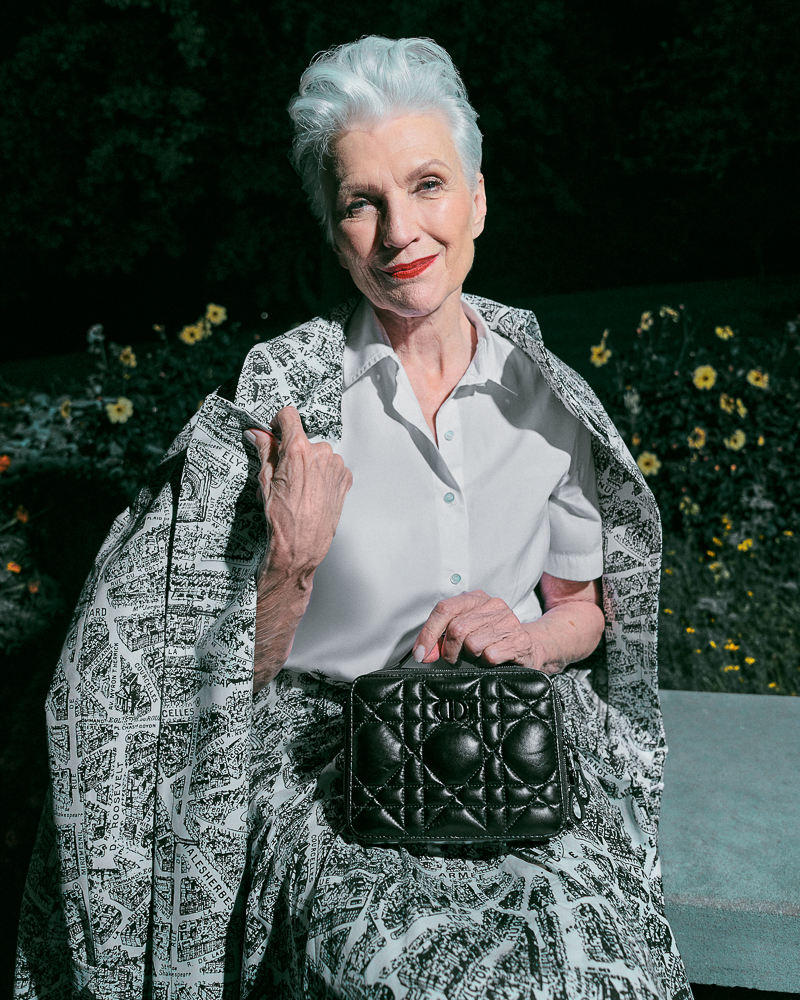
404	217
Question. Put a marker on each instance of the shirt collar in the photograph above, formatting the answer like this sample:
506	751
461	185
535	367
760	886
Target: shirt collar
367	343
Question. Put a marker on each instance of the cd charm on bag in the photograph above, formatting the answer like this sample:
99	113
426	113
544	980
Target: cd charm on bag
438	755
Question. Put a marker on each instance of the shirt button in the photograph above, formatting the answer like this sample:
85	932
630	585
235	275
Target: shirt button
455	578
448	436
449	497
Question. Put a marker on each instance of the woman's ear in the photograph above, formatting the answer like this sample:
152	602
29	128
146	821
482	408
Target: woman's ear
478	208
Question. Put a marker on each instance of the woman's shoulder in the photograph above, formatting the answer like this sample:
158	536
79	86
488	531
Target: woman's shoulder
521	327
319	339
301	367
510	321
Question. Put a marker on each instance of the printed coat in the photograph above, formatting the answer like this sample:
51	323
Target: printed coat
142	880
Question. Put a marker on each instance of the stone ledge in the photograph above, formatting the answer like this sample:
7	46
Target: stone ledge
729	839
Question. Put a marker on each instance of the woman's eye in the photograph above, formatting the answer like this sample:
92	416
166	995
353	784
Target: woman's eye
357	205
431	184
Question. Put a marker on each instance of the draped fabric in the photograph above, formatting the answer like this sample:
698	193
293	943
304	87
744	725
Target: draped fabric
192	845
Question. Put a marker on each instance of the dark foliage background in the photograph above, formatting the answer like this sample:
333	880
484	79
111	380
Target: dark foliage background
143	151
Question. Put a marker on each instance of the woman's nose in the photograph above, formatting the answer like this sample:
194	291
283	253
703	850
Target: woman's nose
400	225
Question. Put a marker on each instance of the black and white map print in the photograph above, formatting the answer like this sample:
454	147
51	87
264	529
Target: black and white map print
193	845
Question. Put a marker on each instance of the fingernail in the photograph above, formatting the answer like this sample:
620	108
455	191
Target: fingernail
419	654
250	436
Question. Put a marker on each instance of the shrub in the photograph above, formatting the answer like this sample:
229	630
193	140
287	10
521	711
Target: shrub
713	424
28	598
119	425
114	429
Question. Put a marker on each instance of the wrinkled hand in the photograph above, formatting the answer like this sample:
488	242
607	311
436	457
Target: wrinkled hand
474	626
303	487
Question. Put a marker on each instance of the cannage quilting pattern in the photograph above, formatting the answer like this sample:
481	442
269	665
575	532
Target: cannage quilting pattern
150	708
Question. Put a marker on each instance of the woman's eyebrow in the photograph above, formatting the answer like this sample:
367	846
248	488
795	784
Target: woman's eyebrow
347	189
425	167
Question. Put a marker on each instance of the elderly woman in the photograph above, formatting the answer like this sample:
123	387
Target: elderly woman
415	472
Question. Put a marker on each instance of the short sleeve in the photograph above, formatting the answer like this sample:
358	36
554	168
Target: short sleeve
576	535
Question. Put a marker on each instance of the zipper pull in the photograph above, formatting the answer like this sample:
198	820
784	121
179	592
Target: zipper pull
579	793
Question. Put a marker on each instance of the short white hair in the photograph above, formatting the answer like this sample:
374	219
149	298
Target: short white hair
368	82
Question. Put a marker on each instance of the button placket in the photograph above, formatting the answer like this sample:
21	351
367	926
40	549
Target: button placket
453	521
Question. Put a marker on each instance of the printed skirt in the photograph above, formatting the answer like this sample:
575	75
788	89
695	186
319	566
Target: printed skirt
579	917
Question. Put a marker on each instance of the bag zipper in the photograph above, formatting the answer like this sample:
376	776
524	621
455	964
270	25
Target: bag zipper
576	795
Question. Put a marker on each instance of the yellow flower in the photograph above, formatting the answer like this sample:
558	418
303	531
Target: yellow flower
736	441
668	572
191	334
760	440
745	545
712	644
599	355
645	322
704	377
65	409
749	593
724	332
726	403
749	660
730	644
13	567
599	352
672	313
690	630
637	440
33	587
648	463
741	409
772	684
717	541
757	378
21	514
730	666
667	611
697	438
127	357
119	412
789	533
727	524
710	553
688	506
216	314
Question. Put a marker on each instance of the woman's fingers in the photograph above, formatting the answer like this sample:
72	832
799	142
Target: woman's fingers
438	620
472	626
288	425
493	638
304	486
267	445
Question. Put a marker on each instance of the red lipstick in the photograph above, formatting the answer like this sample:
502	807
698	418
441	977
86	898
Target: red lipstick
411	269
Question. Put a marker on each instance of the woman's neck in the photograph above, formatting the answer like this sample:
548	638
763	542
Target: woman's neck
434	350
432	346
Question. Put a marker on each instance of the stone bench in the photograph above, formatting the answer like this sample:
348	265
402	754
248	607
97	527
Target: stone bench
730	837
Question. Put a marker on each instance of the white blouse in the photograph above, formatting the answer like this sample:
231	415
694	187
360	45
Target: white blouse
508	494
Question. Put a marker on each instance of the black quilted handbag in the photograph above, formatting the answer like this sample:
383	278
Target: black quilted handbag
472	755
